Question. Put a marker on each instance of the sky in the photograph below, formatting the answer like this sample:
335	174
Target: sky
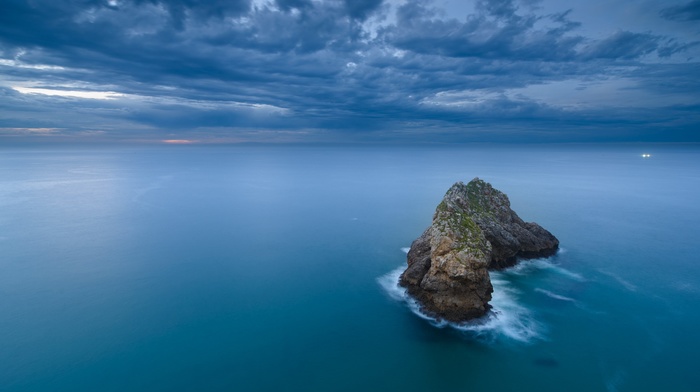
355	71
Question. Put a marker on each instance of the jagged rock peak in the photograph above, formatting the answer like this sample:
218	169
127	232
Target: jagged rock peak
511	238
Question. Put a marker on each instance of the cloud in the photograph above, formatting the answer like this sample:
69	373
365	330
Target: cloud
622	45
335	70
496	31
288	5
180	11
70	93
686	12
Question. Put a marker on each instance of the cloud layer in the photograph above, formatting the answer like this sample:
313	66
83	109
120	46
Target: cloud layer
345	71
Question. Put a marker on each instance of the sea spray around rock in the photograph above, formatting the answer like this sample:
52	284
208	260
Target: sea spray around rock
508	318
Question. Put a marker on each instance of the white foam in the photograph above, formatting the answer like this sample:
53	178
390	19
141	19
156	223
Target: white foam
405	250
526	267
507	319
554	295
390	284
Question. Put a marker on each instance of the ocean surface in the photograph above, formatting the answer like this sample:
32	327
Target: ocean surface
273	268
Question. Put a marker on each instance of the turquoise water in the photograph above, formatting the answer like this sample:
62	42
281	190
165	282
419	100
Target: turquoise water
271	268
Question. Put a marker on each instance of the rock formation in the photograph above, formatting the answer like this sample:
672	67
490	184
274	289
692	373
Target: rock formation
473	230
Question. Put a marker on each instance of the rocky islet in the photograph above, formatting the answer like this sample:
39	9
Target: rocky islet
473	230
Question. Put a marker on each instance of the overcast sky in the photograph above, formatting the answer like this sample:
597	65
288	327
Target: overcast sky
444	71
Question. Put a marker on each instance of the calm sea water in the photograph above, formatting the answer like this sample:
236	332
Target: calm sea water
273	269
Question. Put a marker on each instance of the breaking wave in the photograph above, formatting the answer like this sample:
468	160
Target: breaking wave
507	318
526	267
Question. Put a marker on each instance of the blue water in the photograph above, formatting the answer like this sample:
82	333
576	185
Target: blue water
260	268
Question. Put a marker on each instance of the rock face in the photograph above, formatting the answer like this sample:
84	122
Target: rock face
473	230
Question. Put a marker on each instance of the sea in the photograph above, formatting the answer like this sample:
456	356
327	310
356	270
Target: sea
274	268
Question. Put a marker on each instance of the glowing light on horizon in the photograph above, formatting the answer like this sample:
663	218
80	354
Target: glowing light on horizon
178	141
646	155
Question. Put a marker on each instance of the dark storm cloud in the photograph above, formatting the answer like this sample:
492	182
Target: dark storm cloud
686	12
496	32
623	45
361	9
329	70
